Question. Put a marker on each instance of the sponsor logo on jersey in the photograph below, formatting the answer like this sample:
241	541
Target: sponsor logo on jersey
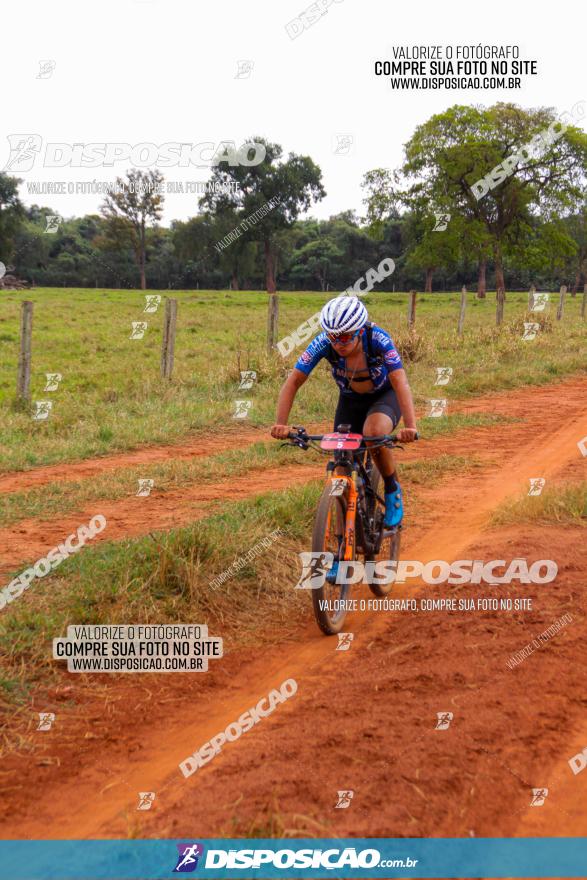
392	357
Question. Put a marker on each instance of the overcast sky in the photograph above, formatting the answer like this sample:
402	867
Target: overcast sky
156	71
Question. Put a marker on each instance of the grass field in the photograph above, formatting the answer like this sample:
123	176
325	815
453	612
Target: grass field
112	398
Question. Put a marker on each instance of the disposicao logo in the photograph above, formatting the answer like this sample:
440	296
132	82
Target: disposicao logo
54	557
188	856
246	721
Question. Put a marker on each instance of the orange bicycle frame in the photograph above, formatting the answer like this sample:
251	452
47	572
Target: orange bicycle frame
351	514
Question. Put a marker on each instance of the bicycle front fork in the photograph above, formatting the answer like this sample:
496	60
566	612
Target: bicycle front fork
351	509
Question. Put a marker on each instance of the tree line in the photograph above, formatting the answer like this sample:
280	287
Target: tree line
249	230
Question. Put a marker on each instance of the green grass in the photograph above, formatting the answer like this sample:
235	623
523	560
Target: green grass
429	471
558	505
441	427
61	498
112	398
162	578
166	576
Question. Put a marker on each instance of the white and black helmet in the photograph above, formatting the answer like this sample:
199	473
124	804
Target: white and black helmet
344	314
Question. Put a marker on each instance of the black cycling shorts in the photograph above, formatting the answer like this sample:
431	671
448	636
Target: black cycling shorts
353	408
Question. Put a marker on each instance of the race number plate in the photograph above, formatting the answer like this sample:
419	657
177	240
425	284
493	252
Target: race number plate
341	441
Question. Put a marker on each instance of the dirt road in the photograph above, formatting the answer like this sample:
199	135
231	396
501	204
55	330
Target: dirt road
538	411
362	720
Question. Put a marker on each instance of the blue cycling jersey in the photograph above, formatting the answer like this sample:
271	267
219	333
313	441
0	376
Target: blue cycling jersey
384	360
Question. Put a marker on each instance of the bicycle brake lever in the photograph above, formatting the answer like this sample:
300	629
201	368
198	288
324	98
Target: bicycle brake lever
295	442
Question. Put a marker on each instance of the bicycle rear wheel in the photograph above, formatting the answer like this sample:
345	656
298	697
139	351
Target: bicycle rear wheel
390	546
329	536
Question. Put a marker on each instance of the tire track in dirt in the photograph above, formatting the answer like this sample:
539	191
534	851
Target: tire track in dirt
521	403
131	517
206	444
463	508
563	787
30	539
365	721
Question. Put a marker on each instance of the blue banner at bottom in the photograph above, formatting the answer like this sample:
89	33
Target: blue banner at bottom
293	858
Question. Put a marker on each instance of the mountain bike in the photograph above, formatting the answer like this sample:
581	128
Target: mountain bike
349	519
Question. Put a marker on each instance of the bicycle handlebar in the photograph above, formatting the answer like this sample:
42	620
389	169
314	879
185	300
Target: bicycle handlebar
301	435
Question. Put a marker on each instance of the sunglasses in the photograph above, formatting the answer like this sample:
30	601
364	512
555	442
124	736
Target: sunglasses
343	338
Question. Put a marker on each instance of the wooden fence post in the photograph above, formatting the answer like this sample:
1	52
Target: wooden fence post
23	378
412	308
500	299
584	303
272	322
561	303
462	311
168	343
531	293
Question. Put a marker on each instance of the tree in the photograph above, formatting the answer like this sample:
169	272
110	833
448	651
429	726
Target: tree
433	250
192	242
267	197
237	260
382	198
135	203
31	245
449	156
546	248
11	215
315	260
475	243
576	228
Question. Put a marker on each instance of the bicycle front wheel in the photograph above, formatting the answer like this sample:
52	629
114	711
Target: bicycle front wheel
329	536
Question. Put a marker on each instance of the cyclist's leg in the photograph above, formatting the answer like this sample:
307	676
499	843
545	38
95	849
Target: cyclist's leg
351	410
376	424
382	417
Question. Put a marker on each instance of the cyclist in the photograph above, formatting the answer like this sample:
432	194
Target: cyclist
374	390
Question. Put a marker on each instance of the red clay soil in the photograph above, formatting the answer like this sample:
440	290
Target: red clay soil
18	481
521	403
130	517
365	721
362	720
542	409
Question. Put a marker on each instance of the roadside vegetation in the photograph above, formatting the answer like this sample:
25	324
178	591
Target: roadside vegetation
112	398
561	504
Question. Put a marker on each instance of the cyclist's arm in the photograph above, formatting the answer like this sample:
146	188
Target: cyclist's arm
289	389
399	383
304	366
